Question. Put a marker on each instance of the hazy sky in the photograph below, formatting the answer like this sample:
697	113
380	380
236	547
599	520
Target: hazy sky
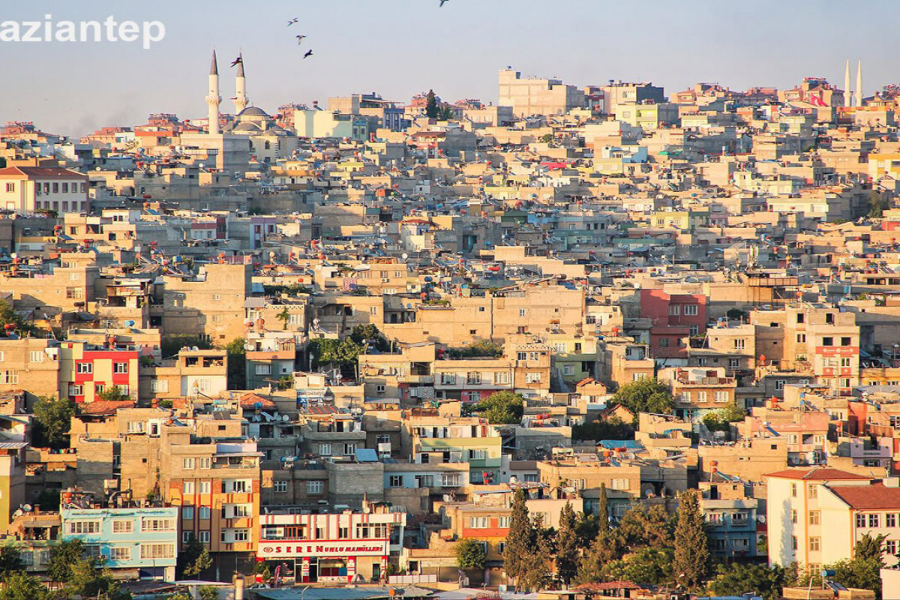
400	47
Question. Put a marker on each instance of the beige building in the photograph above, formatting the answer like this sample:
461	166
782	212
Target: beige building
29	189
536	96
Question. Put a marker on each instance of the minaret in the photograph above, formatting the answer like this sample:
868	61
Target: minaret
240	87
859	93
848	93
213	99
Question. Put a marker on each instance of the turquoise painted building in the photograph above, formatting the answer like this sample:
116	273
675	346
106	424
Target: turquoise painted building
142	540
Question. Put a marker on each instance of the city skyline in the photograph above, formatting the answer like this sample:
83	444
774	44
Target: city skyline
462	65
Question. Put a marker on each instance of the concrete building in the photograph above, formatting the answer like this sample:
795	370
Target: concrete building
535	96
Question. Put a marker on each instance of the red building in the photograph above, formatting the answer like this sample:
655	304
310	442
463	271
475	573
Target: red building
673	317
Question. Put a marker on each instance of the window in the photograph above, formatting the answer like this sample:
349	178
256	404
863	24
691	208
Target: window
187	513
501	378
532	377
478	522
523	312
10	187
873	520
568	369
263	369
120	553
159	386
721	396
448	378
187	463
674	310
694	330
813	490
476	454
37	356
156	524
83	527
701	396
734	363
794	490
794	516
76	389
845	341
205	487
814	544
324	449
828	341
187	487
620	484
801	338
85	367
315	487
891	547
714	518
473	378
123	526
890	521
154	551
815	517
280	487
120	367
396	481
204	513
860	520
205	463
739	344
690	310
9	377
663	342
779	384
349	449
794	545
241	510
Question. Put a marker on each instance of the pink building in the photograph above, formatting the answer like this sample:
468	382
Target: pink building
672	317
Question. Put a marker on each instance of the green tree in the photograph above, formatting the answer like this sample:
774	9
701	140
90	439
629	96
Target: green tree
113	394
371	335
537	571
9	316
735	579
587	527
200	564
90	579
237	364
19	585
519	540
691	560
172	344
431	105
502	408
613	429
53	418
208	592
646	395
194	559
608	546
648	566
470	554
567	545
445	113
719	420
10	559
284	316
62	556
878	203
870	548
481	348
547	138
603	510
643	526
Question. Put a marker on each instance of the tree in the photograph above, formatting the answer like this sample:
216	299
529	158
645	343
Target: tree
691	559
171	345
53	418
608	546
470	554
735	579
547	138
878	202
520	538
646	395
537	566
642	526
567	545
202	563
194	559
649	566
478	349
284	316
62	556
89	579
445	113
208	592
113	394
431	106
870	548
613	429
237	364
19	585
370	335
603	510
502	408
10	559
719	420
587	527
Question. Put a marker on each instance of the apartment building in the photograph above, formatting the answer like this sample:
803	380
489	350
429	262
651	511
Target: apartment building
698	391
434	439
29	189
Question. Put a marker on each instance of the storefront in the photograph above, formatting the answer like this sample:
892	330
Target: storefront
331	548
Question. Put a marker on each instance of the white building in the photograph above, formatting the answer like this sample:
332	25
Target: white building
29	189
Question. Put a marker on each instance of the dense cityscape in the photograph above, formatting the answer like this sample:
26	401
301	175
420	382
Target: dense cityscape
578	343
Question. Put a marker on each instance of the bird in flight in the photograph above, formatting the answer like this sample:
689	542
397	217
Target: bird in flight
442	3
237	61
299	38
308	54
292	21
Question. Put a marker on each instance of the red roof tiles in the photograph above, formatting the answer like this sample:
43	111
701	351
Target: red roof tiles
816	474
868	497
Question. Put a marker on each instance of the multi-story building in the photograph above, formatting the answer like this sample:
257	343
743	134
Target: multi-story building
135	543
85	371
334	547
30	189
699	391
535	96
452	440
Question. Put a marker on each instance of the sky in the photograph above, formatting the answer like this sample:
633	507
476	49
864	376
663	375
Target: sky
400	47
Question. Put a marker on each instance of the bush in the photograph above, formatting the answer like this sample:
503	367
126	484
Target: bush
502	408
646	395
470	554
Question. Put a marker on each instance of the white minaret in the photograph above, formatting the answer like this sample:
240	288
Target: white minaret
240	87
213	99
848	93
859	93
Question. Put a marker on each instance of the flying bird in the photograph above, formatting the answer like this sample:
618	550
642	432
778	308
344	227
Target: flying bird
442	3
308	54
299	38
292	21
238	60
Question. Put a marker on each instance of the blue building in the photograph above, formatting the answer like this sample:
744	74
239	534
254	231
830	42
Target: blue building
141	540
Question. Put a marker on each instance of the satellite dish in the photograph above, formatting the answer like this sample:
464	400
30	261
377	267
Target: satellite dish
248	346
285	418
27	507
404	256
